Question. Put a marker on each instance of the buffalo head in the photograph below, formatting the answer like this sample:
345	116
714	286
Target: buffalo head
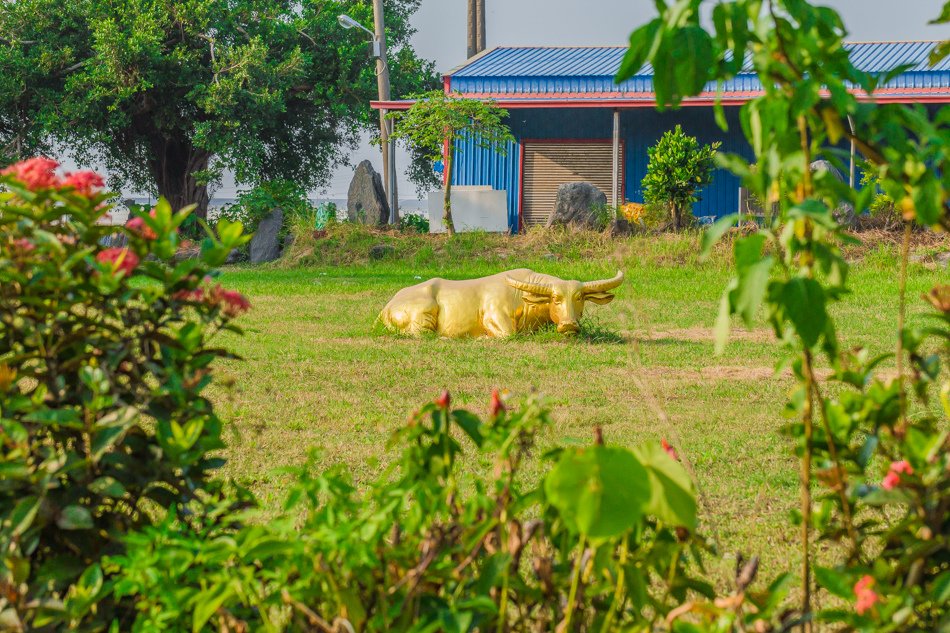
566	298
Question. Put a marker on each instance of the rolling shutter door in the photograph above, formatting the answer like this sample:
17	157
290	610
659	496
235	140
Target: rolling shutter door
547	166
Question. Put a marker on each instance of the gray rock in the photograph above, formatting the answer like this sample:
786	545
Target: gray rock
366	198
265	245
620	227
942	259
551	257
381	251
236	256
577	204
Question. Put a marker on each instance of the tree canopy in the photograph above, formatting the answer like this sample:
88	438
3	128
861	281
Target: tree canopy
169	93
437	119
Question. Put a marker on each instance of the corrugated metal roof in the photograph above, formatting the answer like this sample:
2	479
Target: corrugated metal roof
541	71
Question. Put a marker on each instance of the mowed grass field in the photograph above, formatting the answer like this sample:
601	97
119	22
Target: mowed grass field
317	373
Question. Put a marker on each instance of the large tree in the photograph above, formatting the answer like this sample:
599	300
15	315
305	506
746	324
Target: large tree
169	93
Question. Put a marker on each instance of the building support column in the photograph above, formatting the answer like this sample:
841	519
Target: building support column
615	192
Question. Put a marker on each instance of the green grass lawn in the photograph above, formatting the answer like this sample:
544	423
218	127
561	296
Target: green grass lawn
317	374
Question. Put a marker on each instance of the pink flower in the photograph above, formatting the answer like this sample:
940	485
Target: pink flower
121	259
497	405
138	225
35	173
669	449
893	477
189	295
444	400
24	245
86	183
232	302
865	596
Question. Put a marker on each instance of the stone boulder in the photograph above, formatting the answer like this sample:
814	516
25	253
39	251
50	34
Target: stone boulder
578	205
366	200
381	251
844	214
265	245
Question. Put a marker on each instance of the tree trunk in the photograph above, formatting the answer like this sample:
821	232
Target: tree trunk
173	164
447	200
676	216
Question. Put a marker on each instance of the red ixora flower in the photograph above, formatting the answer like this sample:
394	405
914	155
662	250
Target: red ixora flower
497	404
86	183
232	302
24	245
36	173
893	477
189	295
669	449
121	259
444	400
138	225
865	596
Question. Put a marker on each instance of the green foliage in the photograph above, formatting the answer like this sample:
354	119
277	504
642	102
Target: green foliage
254	205
429	546
105	355
875	452
170	93
678	168
414	223
437	119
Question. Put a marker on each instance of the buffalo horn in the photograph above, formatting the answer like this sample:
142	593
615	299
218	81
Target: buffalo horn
602	285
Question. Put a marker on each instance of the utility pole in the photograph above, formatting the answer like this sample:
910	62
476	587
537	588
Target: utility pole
472	28
382	82
480	26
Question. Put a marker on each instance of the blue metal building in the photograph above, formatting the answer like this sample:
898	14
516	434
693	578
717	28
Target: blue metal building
572	122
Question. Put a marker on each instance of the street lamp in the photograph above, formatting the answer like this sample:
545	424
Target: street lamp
349	23
382	82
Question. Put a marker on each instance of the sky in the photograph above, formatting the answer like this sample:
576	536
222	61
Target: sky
441	36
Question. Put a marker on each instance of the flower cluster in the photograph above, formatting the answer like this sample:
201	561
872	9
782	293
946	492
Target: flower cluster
231	302
893	477
121	259
137	225
865	596
39	173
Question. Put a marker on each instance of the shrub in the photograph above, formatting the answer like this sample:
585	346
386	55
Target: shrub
254	205
104	357
414	223
605	541
678	168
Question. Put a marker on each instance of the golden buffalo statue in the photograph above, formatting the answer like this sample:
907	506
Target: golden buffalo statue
500	305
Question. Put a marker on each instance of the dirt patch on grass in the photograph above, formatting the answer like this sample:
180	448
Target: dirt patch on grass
712	373
700	335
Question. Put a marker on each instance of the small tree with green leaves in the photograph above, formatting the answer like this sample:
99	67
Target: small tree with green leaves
678	168
437	120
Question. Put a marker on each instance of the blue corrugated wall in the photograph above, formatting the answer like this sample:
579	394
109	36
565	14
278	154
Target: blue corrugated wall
474	165
640	129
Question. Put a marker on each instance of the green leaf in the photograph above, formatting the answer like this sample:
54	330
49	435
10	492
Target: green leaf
22	515
107	487
838	583
206	603
470	423
74	518
753	284
941	588
600	492
672	492
803	300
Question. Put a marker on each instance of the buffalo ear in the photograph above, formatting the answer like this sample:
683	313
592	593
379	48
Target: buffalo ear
530	297
599	298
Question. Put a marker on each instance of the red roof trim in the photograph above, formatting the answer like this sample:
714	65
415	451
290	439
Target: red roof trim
648	100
